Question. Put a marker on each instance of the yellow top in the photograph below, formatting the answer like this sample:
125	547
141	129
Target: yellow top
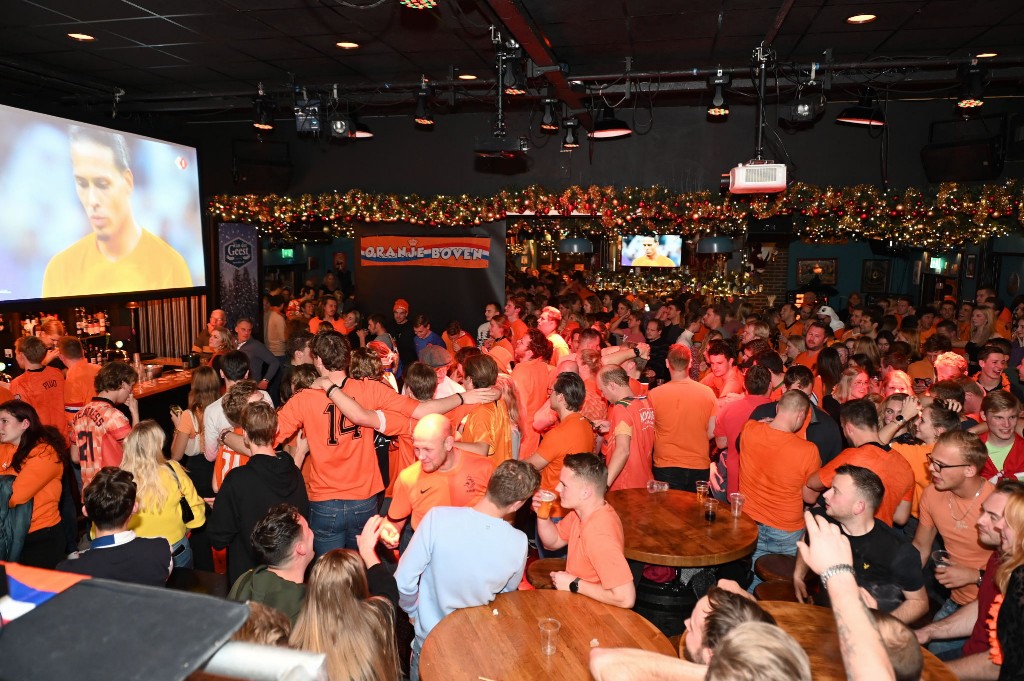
81	268
658	260
166	521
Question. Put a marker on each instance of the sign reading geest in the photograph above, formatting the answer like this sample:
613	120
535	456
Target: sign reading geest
464	252
237	253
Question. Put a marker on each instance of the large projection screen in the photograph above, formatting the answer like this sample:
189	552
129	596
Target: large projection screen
91	211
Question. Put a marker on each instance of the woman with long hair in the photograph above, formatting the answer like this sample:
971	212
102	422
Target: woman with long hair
340	618
854	384
897	382
187	442
868	346
160	486
794	346
983	327
36	455
500	335
327	313
1009	652
830	370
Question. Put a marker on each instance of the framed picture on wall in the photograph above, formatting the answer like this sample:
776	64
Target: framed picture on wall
823	268
970	266
875	276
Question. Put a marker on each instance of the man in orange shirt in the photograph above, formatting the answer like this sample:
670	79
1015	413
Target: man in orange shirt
774	465
547	324
100	428
723	378
79	378
789	325
859	421
444	475
342	475
573	434
950	508
684	422
40	386
515	308
629	439
488	424
815	334
532	375
596	564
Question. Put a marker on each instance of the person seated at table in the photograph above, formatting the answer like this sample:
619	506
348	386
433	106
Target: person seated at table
774	465
115	552
284	544
887	565
721	610
445	475
596	564
248	491
463	557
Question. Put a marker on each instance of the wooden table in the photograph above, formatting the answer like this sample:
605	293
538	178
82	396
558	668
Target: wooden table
164	383
474	643
668	528
814	628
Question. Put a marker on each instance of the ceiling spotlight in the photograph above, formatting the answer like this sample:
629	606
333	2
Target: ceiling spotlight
572	134
347	45
718	108
423	117
972	87
360	130
418	4
81	37
263	111
467	76
865	114
607	126
514	72
806	109
986	55
549	121
861	19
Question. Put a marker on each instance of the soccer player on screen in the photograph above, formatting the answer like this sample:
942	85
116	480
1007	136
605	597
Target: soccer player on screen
651	257
118	255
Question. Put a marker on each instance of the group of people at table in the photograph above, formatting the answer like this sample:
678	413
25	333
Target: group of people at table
575	393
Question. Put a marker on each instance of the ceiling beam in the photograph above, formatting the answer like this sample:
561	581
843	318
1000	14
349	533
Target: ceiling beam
535	44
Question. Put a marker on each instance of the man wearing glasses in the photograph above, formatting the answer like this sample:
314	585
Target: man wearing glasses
950	507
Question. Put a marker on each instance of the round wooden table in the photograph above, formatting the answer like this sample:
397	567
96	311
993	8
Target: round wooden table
814	628
668	528
475	644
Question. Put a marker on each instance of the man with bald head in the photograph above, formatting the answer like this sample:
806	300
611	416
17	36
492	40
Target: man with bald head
218	320
443	475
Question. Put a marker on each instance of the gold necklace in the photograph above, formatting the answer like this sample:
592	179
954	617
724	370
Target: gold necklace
960	524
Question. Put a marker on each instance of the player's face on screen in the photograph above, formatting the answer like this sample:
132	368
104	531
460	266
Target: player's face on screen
105	191
650	247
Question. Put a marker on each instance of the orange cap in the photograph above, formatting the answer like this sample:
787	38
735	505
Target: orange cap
401	304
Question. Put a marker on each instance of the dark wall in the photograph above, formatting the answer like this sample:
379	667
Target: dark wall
683	151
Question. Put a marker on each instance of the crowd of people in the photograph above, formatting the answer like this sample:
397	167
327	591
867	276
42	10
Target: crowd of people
364	476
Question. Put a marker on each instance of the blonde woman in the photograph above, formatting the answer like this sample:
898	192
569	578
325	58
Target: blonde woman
187	442
983	326
341	619
221	342
161	484
1009	629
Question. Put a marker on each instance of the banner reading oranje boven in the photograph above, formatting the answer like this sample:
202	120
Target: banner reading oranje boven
463	252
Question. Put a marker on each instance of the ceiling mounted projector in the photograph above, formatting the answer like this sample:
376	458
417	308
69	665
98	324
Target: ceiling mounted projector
757	177
501	147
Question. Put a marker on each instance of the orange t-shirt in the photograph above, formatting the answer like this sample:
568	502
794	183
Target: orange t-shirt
490	423
227	460
635	419
596	547
44	390
417	492
80	384
337	324
797	329
730	384
892	468
638	388
682	412
560	349
519	329
808	359
401	453
774	467
39	480
574	435
342	461
532	378
595	407
917	457
937	512
5	394
99	430
463	341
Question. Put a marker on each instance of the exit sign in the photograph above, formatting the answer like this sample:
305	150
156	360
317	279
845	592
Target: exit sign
287	253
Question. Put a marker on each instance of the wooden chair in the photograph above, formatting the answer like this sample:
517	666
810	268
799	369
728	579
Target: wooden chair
775	590
538	574
775	566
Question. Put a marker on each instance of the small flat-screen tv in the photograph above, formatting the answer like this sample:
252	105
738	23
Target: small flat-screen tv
657	250
92	211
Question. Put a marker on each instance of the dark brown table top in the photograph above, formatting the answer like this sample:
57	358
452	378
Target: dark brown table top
814	628
475	644
668	528
159	385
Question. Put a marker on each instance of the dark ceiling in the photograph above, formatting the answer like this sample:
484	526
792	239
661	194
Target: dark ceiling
209	55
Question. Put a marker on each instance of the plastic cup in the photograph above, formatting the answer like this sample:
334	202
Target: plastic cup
702	490
653	486
942	558
710	510
547	497
736	503
549	635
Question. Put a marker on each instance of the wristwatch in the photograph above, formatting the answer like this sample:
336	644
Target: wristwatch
899	418
636	352
574	585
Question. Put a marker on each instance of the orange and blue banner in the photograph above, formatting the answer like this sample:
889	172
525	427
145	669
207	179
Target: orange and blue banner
420	251
28	587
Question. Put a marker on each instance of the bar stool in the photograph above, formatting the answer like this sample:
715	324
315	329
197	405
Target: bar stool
538	574
775	590
775	566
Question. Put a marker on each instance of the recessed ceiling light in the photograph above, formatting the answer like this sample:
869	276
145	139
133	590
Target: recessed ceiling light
82	37
347	45
861	19
987	55
470	76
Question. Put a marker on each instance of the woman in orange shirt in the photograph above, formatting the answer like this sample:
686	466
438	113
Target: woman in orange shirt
36	455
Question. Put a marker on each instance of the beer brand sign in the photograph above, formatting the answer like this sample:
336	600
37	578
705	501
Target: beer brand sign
459	252
237	253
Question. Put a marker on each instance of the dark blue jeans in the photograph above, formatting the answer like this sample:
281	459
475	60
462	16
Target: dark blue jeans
684	479
337	522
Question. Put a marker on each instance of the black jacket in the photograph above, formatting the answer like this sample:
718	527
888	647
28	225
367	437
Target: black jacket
244	498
